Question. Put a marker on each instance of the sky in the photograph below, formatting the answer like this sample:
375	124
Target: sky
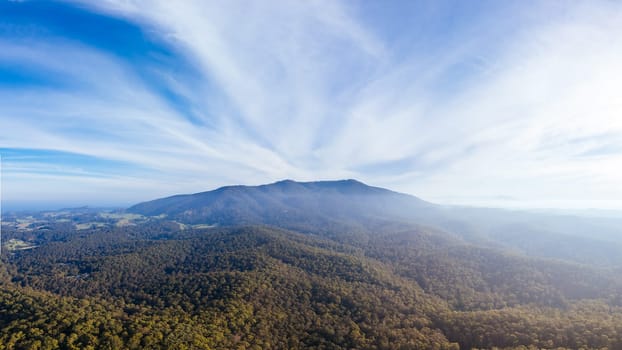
493	103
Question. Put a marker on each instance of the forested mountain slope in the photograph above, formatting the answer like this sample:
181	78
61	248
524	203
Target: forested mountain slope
259	287
347	279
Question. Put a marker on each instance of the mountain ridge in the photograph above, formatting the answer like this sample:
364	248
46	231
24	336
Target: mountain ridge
291	184
284	200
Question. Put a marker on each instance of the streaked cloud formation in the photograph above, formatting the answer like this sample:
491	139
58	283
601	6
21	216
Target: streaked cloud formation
118	101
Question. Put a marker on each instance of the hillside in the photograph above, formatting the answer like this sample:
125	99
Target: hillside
258	287
320	265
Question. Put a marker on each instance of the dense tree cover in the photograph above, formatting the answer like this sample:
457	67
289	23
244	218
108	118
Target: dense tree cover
155	286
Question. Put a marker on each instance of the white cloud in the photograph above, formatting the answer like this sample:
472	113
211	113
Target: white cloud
556	98
305	90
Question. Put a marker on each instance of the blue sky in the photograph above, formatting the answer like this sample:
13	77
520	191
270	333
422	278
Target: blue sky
501	103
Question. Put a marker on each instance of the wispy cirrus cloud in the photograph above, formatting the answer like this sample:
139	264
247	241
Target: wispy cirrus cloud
441	100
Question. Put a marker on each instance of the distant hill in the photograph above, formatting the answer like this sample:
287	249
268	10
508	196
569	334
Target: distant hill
286	203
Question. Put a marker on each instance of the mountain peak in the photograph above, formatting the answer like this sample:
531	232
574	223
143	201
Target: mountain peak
325	184
290	181
285	182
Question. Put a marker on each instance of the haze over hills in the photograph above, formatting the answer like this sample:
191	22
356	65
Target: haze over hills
354	206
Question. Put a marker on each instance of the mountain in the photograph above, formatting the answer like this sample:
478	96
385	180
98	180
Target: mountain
315	265
349	209
287	204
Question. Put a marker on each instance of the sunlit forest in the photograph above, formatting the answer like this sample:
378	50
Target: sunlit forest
161	284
